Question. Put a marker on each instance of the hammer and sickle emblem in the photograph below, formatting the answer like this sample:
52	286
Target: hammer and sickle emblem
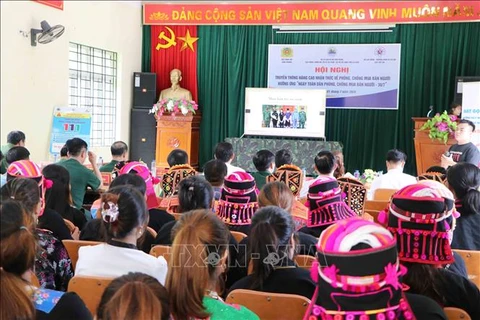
169	41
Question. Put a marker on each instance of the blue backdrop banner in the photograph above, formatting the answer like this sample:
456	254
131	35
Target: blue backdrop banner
356	76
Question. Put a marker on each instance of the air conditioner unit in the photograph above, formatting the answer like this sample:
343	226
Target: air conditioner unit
335	28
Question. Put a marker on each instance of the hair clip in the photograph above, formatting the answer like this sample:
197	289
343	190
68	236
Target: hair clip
111	214
23	228
190	188
12	197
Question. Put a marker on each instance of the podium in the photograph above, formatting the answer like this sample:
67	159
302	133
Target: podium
177	132
427	151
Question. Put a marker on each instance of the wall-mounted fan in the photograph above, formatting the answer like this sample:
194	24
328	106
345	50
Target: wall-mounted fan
47	33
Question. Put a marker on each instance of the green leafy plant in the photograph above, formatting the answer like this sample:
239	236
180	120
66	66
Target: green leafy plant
441	126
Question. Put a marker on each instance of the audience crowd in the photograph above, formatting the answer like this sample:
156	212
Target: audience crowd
227	229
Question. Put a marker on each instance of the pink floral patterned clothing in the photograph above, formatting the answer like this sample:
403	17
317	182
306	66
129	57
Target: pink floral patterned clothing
53	267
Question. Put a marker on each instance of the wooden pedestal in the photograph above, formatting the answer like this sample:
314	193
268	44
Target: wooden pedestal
177	132
427	151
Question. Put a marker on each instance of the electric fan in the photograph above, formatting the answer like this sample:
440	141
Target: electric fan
47	33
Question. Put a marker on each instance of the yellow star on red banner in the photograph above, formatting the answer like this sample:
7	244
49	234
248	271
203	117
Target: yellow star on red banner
188	41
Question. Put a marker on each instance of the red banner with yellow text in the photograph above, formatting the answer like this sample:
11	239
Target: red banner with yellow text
175	47
297	13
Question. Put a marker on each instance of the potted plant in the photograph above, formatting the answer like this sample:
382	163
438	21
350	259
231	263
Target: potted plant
174	106
441	126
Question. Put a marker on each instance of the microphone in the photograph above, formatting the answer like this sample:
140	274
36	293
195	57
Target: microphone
447	154
430	112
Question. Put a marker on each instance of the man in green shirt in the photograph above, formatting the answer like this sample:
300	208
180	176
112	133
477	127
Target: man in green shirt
80	176
14	138
264	161
119	150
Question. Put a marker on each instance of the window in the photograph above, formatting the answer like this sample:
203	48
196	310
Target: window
93	84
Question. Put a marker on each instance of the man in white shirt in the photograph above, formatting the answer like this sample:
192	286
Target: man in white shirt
325	165
224	152
394	178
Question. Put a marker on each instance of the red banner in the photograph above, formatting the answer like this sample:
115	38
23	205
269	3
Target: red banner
293	13
54	4
175	47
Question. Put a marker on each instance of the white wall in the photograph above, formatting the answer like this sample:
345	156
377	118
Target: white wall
35	79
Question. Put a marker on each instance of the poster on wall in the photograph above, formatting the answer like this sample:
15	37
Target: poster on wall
286	113
69	123
355	76
471	107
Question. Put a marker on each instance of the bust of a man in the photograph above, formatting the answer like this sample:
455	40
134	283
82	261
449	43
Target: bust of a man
175	91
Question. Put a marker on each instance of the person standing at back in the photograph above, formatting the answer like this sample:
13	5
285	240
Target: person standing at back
80	176
224	152
394	178
119	151
14	139
464	150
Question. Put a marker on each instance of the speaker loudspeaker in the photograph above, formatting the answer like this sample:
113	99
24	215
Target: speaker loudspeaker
142	136
144	90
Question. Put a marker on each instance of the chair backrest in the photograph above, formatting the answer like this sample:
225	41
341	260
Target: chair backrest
289	174
268	305
71	227
34	279
89	289
383	194
456	314
356	194
304	261
435	176
152	232
72	247
239	236
172	178
161	250
472	264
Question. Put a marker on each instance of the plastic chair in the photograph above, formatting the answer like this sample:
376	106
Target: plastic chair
89	289
268	305
72	247
304	261
152	232
383	194
71	227
456	314
239	236
161	250
472	264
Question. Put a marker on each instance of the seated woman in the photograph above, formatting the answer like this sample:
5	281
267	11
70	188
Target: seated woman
419	222
193	193
47	218
59	198
359	277
199	254
125	217
325	206
238	201
134	296
272	194
272	240
158	217
19	299
95	229
464	181
53	267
